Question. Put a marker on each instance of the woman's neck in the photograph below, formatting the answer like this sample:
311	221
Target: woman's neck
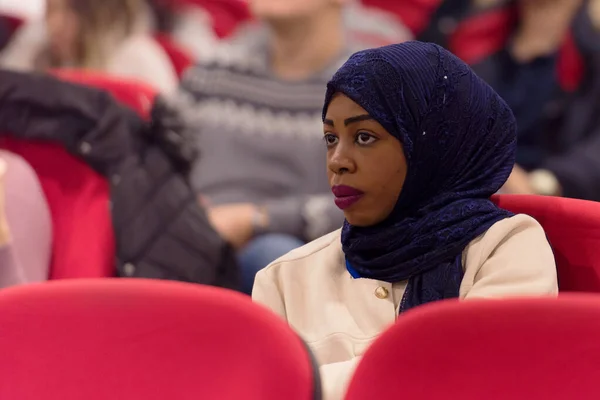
302	48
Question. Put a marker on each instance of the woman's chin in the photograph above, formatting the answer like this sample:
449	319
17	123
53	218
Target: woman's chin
361	219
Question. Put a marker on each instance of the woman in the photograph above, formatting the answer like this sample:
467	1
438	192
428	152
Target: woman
416	145
109	35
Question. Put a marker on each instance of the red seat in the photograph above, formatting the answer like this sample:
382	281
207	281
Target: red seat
146	340
489	349
83	238
135	94
180	59
83	243
573	229
226	15
414	13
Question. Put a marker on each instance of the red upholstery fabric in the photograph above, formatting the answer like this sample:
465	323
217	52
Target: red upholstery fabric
482	35
542	349
145	340
226	15
573	229
180	59
13	22
82	234
570	66
83	238
137	95
414	13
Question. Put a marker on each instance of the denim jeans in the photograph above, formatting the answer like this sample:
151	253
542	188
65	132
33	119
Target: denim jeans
260	252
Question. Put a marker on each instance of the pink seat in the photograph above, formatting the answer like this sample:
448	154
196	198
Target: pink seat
146	340
542	349
573	229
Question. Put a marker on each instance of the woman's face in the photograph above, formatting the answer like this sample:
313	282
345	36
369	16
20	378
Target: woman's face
63	28
366	165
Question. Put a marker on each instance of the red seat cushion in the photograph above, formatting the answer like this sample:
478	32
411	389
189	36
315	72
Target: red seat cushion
573	229
538	349
146	340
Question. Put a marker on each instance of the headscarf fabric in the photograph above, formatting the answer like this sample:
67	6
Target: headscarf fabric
459	140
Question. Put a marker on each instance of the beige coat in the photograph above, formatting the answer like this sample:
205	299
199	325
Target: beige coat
340	316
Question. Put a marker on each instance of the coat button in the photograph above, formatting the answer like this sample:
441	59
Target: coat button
129	269
85	148
115	179
381	293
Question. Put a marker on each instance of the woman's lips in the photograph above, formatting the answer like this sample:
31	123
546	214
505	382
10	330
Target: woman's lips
346	196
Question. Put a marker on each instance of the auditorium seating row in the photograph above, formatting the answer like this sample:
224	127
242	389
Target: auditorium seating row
141	339
78	199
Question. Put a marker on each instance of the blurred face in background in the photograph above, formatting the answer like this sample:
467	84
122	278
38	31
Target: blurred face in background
281	10
63	29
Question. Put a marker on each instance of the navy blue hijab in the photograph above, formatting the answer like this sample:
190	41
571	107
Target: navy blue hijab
459	140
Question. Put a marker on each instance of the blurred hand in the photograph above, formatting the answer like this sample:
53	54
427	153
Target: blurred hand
518	182
233	222
543	26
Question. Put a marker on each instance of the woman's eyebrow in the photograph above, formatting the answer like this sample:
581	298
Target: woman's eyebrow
358	118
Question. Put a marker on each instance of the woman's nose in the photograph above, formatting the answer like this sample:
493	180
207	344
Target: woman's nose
340	161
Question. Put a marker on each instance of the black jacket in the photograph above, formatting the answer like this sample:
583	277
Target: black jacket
161	231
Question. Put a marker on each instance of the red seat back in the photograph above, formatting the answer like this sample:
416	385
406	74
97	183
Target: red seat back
79	198
180	59
414	13
135	94
82	233
487	349
226	15
146	340
482	35
573	229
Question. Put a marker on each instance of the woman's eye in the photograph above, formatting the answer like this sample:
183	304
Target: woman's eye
330	139
365	139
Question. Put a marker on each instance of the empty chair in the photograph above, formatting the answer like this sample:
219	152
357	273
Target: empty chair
146	340
489	349
573	229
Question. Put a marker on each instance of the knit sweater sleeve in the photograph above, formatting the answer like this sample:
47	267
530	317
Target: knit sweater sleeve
307	217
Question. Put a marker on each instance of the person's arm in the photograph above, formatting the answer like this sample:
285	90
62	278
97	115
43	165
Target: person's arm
334	377
307	217
512	259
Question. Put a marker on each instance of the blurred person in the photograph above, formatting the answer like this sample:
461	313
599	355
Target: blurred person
557	135
25	224
110	35
560	147
160	231
256	108
416	145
